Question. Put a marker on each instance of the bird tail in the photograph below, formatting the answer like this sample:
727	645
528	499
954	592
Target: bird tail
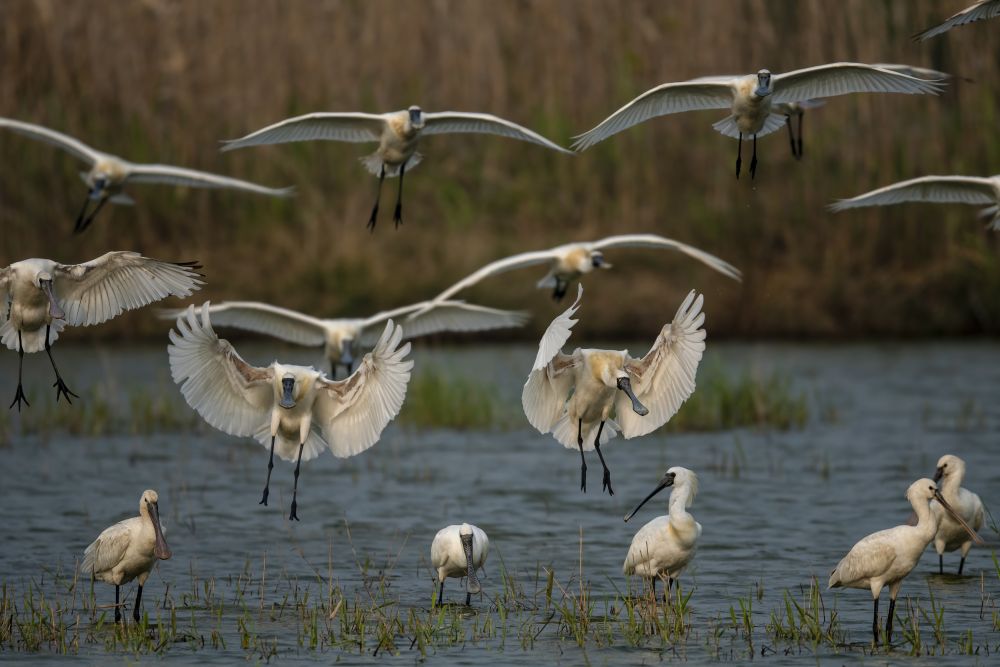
728	127
33	341
565	432
373	163
548	282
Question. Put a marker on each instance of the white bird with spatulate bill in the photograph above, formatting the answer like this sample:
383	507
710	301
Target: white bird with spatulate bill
664	546
294	408
109	174
951	535
751	99
340	336
982	10
573	395
571	261
886	557
398	134
974	190
39	297
128	550
458	551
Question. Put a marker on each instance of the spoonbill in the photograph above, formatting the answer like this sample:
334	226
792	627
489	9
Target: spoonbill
41	296
570	261
339	336
573	395
886	557
398	134
984	9
458	551
128	550
751	99
109	174
296	408
665	545
975	190
951	535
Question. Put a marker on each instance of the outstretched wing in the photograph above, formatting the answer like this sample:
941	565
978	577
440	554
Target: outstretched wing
162	173
264	318
940	189
352	412
655	241
844	78
557	333
447	122
53	138
664	378
100	289
984	9
433	317
226	391
328	126
660	101
520	261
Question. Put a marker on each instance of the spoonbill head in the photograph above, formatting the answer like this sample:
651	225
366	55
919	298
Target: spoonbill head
950	534
459	551
128	550
663	547
416	117
886	557
763	88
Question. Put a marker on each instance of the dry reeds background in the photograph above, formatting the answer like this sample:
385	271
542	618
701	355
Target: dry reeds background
164	81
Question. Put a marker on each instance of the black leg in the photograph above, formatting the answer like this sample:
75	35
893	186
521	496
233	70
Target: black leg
138	601
606	483
118	609
875	622
739	156
560	291
378	195
940	564
441	593
753	160
888	621
93	214
791	136
468	599
961	564
19	396
583	461
653	581
61	388
801	116
270	467
397	215
295	488
78	226
670	585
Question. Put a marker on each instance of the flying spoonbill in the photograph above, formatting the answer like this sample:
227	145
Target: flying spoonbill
40	297
128	550
109	174
398	134
975	190
752	99
296	408
984	9
569	262
951	535
886	557
573	395
665	545
458	551
339	336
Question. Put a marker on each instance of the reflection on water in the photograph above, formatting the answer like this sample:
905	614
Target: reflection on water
778	508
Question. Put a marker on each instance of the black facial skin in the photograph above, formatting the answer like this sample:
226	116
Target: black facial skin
287	386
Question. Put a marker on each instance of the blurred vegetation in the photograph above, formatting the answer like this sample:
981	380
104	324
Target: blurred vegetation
162	81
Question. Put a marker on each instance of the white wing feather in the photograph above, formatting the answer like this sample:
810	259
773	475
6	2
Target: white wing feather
844	78
728	127
557	333
665	99
264	318
226	391
162	173
665	377
514	262
984	9
656	241
434	317
103	288
330	126
446	122
108	549
546	391
939	189
53	138
352	412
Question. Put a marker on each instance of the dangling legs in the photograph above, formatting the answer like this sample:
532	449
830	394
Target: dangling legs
753	160
801	116
61	388
606	484
19	395
739	156
78	226
791	136
138	601
378	195
583	461
560	291
270	467
397	216
295	488
93	214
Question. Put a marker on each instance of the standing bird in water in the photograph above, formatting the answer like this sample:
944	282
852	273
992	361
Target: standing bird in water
128	550
951	535
458	551
398	134
886	557
573	395
665	545
294	408
752	100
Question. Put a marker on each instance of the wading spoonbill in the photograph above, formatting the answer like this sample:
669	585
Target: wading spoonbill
458	551
952	535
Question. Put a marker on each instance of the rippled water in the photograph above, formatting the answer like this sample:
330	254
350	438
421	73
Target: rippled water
777	507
